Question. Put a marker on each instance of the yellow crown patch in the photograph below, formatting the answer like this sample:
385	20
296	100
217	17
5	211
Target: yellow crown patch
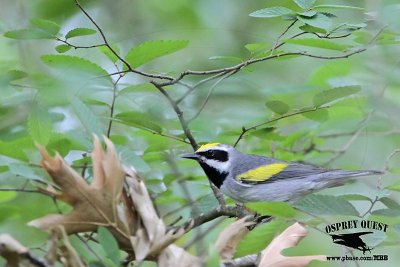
205	146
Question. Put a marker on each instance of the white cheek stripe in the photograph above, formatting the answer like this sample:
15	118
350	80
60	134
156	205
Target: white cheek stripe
218	165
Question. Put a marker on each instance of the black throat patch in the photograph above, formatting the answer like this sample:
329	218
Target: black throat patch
216	177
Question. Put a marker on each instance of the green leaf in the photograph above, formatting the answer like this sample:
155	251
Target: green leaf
308	13
204	204
79	32
355	197
337	68
272	12
62	48
12	150
61	144
278	106
136	88
308	28
387	212
256	47
109	245
260	237
390	203
95	102
106	51
394	187
28	34
334	94
88	119
138	120
319	43
46	25
150	50
129	157
326	205
319	20
73	63
266	133
319	115
337	7
40	127
304	4
23	170
280	209
7	196
13	75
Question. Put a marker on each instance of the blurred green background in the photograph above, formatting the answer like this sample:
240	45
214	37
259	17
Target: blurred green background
60	107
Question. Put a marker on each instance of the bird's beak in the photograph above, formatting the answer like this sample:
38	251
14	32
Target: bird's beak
190	156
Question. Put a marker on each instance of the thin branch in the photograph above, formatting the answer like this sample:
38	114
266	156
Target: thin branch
245	261
211	90
391	155
106	43
373	202
343	150
114	97
276	45
303	111
229	211
157	133
188	92
179	113
78	46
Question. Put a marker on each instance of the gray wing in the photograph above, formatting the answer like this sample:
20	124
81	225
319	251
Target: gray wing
296	170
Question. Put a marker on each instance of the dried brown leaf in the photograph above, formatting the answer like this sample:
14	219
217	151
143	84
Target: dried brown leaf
151	240
230	237
272	257
130	216
94	204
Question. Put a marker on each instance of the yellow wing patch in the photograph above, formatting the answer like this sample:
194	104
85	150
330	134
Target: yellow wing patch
205	146
262	173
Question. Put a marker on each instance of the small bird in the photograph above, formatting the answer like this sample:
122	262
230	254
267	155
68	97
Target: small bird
252	178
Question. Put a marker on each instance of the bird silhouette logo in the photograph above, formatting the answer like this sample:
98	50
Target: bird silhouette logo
352	240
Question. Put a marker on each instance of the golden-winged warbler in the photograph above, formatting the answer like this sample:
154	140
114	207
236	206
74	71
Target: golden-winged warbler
250	178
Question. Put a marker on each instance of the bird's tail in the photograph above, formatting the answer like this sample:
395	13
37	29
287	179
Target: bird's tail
358	173
334	178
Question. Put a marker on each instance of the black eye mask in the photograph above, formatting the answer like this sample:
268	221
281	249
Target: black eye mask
219	155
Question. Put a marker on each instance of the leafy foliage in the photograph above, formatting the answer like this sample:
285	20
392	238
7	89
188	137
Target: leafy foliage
150	50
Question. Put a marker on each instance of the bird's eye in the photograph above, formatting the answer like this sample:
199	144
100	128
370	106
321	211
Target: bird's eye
210	153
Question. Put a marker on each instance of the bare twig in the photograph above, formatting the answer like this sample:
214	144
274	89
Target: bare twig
303	111
229	211
179	113
373	202
391	155
276	45
106	43
211	90
114	97
78	46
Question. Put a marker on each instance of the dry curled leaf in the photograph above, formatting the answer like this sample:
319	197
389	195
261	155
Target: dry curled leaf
93	204
272	257
151	239
129	214
230	237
